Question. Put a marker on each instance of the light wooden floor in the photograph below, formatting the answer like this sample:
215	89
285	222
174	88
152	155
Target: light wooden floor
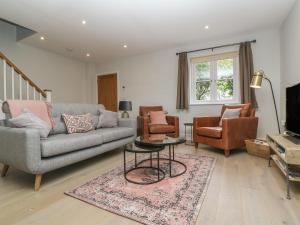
242	191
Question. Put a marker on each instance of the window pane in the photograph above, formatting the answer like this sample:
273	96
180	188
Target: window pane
202	71
203	90
225	79
225	68
225	89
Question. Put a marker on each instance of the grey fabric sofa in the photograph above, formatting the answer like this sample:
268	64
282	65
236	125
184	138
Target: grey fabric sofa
23	149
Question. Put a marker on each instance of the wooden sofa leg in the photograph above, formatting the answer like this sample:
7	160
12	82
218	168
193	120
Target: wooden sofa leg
227	152
4	170
196	145
38	181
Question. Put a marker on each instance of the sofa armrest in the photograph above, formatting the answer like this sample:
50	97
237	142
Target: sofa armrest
20	148
237	130
206	121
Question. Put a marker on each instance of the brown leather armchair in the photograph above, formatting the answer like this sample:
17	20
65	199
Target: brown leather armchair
233	132
145	128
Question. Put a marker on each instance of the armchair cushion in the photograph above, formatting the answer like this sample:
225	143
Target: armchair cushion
230	113
214	132
158	117
161	128
245	109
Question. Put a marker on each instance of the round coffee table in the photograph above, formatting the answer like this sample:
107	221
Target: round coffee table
137	150
166	141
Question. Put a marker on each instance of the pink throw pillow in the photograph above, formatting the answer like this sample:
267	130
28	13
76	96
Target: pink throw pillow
158	117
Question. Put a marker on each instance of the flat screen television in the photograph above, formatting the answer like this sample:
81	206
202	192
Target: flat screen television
293	110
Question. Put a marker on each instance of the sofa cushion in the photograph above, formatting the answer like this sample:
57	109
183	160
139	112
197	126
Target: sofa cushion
161	128
64	143
115	133
214	132
73	109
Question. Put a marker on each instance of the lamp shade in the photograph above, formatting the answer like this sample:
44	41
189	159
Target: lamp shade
257	79
125	106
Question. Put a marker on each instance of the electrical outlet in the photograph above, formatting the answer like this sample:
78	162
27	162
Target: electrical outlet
283	123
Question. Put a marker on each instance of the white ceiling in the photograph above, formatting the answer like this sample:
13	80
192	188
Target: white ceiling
144	25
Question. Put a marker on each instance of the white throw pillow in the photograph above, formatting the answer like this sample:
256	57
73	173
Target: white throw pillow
28	119
230	113
107	119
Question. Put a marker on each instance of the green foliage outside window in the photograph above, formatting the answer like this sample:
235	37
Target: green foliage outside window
224	81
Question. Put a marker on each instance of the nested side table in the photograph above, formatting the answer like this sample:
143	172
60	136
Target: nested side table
188	142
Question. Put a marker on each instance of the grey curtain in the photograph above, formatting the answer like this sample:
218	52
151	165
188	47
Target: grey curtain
182	83
246	72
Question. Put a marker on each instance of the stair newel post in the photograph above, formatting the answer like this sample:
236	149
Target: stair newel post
48	95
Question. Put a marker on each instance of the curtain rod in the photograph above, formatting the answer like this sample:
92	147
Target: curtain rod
212	48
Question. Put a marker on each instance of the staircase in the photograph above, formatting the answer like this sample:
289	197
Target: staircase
15	85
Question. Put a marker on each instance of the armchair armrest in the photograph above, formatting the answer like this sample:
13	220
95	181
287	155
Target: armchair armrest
206	121
143	125
237	130
128	123
20	148
174	120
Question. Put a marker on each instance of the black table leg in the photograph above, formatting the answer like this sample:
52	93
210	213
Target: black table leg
170	161
158	165
124	161
173	152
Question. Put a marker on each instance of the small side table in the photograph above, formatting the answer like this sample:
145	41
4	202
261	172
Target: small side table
188	142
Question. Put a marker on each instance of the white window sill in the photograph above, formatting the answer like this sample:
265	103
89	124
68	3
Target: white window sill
213	103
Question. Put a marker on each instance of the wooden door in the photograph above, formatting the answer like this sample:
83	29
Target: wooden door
108	91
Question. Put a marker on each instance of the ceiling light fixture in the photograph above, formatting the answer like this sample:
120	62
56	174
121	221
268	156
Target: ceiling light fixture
83	22
206	27
124	46
88	55
42	38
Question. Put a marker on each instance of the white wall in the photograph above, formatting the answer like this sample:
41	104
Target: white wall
66	77
151	79
290	45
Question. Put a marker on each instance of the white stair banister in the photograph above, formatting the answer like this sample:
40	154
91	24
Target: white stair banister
20	88
27	90
15	71
48	95
4	80
12	84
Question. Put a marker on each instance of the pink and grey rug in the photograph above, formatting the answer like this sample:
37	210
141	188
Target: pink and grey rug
172	201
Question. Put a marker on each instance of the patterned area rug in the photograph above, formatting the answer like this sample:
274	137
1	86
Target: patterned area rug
172	201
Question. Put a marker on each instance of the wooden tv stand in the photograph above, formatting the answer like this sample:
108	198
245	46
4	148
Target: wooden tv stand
285	152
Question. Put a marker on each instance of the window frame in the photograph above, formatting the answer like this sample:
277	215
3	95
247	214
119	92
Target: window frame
213	58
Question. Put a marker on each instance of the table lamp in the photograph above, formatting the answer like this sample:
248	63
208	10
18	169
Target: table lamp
125	106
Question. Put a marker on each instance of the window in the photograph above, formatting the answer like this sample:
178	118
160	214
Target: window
214	79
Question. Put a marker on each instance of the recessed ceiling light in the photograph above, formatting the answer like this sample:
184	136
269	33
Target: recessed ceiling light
88	55
206	27
124	46
83	22
42	38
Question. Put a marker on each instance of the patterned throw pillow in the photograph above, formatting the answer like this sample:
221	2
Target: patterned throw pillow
78	123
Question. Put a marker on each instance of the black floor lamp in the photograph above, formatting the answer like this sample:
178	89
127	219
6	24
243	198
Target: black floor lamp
256	83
